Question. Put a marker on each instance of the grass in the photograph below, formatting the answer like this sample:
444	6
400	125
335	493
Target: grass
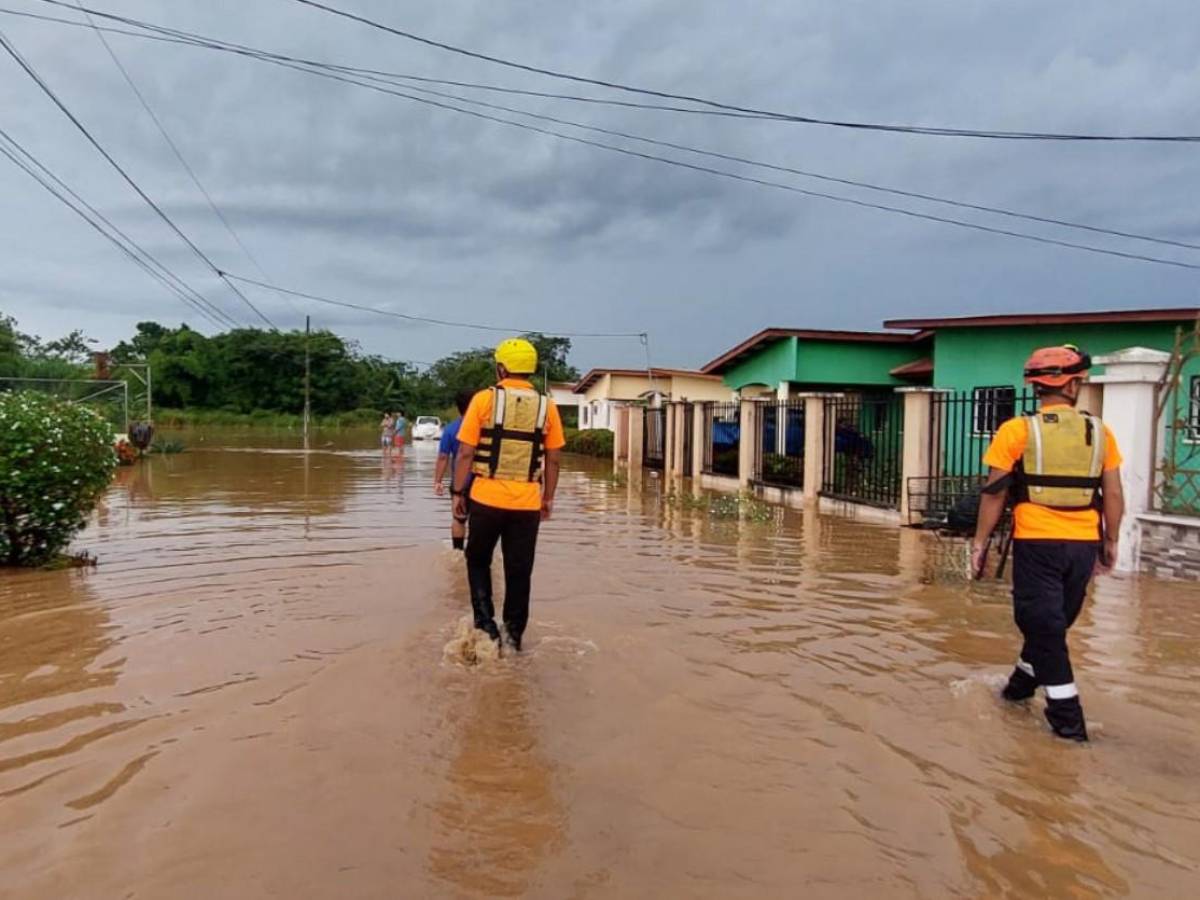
193	418
724	506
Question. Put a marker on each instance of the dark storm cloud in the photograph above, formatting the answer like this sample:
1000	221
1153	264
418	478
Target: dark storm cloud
379	200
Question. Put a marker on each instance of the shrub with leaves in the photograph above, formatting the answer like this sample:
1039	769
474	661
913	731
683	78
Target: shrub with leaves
56	460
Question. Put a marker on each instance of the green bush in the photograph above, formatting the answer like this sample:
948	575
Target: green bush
593	442
56	460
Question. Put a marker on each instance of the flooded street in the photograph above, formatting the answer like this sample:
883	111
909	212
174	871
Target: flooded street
250	696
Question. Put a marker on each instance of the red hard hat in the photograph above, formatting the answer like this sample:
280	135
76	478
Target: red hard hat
1056	366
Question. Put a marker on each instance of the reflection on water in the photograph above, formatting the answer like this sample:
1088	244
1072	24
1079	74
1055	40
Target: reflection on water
249	697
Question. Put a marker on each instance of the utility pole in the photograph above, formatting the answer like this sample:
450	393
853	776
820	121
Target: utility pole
307	380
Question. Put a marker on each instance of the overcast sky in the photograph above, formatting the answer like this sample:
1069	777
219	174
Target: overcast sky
376	200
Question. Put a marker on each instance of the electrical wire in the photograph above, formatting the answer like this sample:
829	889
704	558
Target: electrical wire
187	38
164	37
162	130
749	179
49	92
93	218
788	117
428	320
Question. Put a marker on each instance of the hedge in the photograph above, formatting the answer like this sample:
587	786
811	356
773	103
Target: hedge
56	461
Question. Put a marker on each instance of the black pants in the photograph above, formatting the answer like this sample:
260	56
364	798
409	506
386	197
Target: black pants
1050	580
516	531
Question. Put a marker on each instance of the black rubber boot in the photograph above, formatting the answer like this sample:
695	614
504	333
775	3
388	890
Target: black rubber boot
513	640
492	631
1021	686
1066	718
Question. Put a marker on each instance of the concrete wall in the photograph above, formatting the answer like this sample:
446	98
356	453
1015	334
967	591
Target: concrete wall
687	387
966	358
1170	546
847	363
816	363
772	364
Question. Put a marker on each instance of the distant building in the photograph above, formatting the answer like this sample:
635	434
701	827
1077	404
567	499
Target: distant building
568	402
603	390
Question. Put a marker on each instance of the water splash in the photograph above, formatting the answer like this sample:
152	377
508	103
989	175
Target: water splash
470	646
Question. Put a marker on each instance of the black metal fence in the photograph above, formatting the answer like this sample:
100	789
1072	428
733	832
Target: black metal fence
722	438
779	444
961	426
864	443
655	452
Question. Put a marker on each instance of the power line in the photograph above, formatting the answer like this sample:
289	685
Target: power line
130	248
48	91
164	36
431	321
171	143
325	69
807	120
749	179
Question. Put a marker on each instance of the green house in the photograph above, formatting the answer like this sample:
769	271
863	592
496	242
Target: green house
979	360
789	360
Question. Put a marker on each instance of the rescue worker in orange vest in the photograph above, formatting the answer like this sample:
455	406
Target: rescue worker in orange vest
511	439
1062	467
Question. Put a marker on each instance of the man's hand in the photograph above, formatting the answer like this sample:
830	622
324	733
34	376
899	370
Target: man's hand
460	506
547	509
978	559
439	488
1108	556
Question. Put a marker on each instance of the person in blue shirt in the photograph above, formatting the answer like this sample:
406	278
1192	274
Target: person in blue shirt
447	456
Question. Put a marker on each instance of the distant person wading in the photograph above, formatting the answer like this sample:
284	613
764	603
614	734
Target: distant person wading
1062	468
510	439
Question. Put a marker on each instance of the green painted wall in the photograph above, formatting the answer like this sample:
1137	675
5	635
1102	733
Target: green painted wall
774	363
966	358
849	364
823	363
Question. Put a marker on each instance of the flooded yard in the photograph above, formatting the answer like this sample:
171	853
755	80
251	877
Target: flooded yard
250	697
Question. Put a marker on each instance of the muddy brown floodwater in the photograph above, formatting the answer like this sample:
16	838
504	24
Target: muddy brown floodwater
250	697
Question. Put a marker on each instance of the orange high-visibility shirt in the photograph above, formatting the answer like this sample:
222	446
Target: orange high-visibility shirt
1030	521
497	492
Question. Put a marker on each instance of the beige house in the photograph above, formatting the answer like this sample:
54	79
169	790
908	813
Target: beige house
604	390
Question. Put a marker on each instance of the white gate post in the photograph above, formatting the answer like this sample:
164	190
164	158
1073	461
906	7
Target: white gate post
1130	380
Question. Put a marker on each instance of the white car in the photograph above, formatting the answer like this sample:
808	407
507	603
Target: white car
427	428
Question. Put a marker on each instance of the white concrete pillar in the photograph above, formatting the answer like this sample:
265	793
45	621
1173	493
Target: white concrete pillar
699	414
747	442
917	461
784	391
814	445
636	427
1130	383
620	429
673	463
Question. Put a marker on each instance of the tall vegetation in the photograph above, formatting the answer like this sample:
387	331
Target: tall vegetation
250	370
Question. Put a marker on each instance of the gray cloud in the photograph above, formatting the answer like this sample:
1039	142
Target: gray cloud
352	194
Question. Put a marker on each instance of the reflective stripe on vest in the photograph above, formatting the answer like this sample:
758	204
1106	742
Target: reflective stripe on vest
510	448
1064	459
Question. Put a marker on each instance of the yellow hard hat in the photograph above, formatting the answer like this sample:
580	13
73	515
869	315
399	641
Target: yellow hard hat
518	356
